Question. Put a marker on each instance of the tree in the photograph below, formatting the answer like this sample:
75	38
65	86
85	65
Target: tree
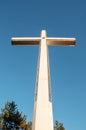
11	118
58	126
29	126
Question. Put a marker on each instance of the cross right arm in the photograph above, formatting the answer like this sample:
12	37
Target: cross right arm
60	41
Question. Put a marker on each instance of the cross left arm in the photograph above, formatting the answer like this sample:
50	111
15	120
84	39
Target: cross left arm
26	41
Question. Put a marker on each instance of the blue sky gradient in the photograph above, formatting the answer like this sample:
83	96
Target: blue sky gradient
68	64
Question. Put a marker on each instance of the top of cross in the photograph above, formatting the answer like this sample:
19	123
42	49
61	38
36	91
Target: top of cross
43	33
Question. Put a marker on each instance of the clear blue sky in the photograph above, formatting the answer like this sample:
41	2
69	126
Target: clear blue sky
61	18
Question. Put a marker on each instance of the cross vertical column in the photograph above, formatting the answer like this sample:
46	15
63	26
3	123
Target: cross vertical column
43	119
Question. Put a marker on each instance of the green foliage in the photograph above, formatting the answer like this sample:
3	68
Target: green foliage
29	126
11	118
58	126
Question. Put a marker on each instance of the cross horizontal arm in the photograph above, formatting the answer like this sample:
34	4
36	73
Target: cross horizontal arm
61	41
25	41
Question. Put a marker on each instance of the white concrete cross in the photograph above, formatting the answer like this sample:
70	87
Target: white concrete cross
43	116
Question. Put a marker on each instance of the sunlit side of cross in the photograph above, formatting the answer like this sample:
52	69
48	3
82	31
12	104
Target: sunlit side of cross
43	115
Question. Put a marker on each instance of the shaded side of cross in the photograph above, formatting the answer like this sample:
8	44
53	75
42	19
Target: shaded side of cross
50	41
